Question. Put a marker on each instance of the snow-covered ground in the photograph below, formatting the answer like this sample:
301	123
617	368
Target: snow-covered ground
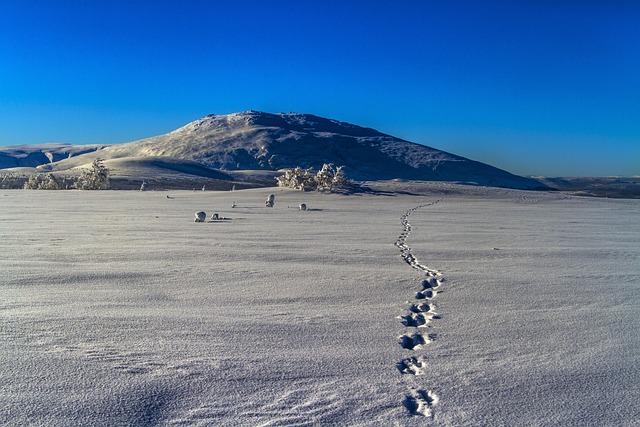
445	305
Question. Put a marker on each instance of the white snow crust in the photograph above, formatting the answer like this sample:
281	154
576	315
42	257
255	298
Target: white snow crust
442	305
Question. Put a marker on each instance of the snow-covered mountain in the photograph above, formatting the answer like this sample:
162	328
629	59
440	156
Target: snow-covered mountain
254	140
35	155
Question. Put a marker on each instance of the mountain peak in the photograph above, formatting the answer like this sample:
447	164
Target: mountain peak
257	140
292	121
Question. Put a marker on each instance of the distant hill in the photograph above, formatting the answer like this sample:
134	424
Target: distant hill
614	187
35	155
227	146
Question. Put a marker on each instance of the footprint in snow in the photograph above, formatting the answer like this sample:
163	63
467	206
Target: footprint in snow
418	402
420	307
415	341
412	365
421	402
432	282
416	320
425	294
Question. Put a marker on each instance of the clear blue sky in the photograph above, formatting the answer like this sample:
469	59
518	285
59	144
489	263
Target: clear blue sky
535	87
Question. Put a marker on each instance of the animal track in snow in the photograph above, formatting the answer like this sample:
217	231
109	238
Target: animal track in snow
405	250
420	307
421	402
432	282
425	294
415	341
414	365
416	320
419	315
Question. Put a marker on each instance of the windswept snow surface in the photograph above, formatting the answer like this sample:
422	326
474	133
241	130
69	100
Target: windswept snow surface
490	307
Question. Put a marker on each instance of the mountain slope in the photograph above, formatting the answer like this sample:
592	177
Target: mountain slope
34	155
255	140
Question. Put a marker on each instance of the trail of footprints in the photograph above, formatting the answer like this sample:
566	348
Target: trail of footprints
417	319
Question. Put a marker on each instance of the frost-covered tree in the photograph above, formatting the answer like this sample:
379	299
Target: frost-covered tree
340	179
47	182
50	183
298	179
9	180
96	178
33	183
329	178
324	178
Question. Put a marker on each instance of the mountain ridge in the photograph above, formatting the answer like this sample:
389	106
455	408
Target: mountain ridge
35	155
260	141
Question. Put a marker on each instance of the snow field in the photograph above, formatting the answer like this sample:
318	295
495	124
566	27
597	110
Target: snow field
118	309
541	315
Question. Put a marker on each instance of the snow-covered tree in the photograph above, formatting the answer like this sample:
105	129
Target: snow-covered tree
324	178
96	178
33	183
47	182
9	180
329	178
298	179
38	182
340	179
50	183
